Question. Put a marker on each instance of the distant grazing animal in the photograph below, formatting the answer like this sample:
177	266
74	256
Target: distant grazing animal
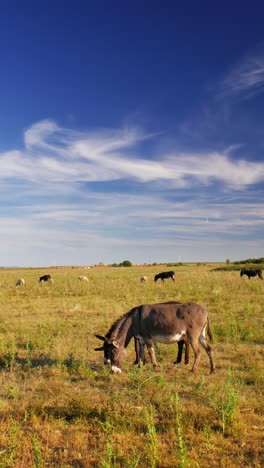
251	273
45	278
20	282
164	275
163	322
82	278
143	279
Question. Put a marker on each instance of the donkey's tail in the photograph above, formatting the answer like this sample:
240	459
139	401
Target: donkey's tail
209	330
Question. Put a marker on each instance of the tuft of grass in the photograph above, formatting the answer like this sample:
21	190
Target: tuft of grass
152	452
182	452
225	403
38	461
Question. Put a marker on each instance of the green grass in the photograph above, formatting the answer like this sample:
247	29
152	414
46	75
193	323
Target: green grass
59	406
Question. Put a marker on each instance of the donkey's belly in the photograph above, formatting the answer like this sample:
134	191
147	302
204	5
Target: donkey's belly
167	339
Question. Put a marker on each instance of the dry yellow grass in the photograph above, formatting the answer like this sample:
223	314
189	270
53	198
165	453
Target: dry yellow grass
59	406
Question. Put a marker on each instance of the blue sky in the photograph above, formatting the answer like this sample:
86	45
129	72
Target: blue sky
131	130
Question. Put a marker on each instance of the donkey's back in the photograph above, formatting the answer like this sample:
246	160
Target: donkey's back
170	319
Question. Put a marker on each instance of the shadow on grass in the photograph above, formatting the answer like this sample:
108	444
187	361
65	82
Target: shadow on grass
75	409
7	361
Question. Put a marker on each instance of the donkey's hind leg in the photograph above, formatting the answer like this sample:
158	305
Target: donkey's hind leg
180	350
137	350
152	355
208	349
195	346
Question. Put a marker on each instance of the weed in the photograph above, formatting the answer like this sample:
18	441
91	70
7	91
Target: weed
111	454
12	445
182	453
152	453
8	359
29	349
37	456
225	403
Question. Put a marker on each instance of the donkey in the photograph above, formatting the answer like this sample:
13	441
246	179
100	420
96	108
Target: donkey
180	347
44	278
137	349
251	273
164	322
164	275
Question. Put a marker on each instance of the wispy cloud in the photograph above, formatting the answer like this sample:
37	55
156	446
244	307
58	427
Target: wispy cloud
129	225
178	199
54	154
246	79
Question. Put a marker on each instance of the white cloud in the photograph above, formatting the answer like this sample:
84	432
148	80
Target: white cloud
246	78
55	154
38	133
47	213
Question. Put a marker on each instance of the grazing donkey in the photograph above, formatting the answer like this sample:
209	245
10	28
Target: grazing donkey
45	278
251	273
137	349
163	322
164	275
180	347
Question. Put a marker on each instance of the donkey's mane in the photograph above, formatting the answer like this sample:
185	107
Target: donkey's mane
119	323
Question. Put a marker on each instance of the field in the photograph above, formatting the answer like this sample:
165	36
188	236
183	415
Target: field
60	406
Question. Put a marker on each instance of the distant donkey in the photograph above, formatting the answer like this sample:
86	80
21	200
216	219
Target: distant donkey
251	273
45	278
165	275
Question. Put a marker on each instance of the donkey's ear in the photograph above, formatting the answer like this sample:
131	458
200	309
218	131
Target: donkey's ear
115	344
99	349
100	337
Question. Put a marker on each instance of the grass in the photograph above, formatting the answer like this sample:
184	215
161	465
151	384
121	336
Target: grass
59	406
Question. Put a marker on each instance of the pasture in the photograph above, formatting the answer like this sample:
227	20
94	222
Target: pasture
60	406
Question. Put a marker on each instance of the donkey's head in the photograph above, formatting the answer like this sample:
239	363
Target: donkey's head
111	353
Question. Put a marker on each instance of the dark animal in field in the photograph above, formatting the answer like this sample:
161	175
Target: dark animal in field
45	278
164	322
251	273
165	275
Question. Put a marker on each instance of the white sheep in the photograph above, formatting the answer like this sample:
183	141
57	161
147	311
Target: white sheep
20	282
143	279
82	278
